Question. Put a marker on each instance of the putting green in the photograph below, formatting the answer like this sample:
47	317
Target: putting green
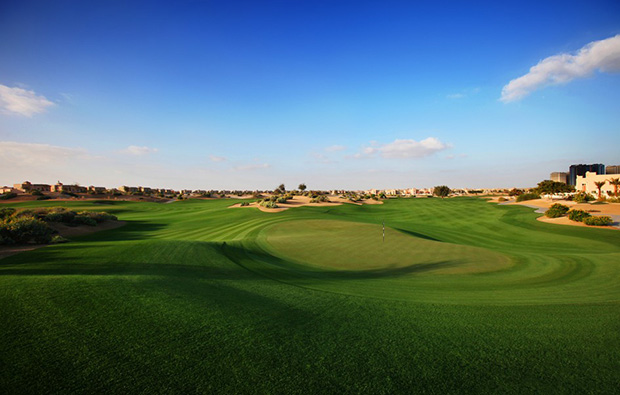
357	247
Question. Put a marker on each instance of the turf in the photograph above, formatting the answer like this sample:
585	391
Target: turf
463	296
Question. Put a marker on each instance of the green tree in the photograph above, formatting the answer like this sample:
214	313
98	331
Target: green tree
548	187
442	191
281	189
302	187
615	182
599	185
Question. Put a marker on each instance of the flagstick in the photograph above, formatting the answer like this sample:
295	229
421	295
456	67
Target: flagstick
384	231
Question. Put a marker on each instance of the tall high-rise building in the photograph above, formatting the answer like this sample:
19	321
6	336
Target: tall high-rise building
558	176
613	169
580	170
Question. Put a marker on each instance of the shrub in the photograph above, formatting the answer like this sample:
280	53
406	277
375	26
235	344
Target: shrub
578	215
60	214
7	196
57	239
43	197
81	219
6	212
515	192
36	192
98	217
319	199
243	204
557	210
527	196
598	221
69	194
25	230
582	197
281	200
269	204
502	199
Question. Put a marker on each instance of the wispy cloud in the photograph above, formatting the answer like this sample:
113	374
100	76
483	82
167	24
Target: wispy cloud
215	158
603	55
31	153
456	96
252	166
335	148
22	101
403	149
321	158
139	151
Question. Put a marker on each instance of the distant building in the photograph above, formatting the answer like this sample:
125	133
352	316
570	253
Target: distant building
26	186
60	187
146	190
96	189
613	169
6	189
586	184
580	170
559	177
126	189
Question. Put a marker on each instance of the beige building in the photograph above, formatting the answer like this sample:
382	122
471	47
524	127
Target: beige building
559	177
27	186
60	187
586	184
612	169
6	189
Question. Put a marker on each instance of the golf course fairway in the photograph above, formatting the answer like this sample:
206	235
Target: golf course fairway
461	296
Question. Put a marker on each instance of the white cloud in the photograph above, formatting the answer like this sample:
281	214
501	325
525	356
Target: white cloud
139	151
603	55
335	148
214	158
456	96
253	166
21	101
403	149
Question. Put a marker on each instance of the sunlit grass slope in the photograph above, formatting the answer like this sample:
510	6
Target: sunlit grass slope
463	296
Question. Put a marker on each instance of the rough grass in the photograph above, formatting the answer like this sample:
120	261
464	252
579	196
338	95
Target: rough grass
464	296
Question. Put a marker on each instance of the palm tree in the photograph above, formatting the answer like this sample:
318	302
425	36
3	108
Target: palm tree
615	182
599	185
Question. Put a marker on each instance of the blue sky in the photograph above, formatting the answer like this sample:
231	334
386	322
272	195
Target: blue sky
351	94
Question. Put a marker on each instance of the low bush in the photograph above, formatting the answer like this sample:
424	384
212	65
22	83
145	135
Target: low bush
6	212
598	221
25	230
7	196
269	204
556	210
99	217
81	219
281	200
578	215
319	199
43	197
502	199
582	197
527	196
243	204
36	192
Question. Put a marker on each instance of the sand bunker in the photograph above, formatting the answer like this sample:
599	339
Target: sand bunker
299	201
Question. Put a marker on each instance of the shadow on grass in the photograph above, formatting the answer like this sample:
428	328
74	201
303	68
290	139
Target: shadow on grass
132	230
211	261
273	266
416	234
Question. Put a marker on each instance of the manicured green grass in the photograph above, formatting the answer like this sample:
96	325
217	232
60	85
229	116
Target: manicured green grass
463	296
